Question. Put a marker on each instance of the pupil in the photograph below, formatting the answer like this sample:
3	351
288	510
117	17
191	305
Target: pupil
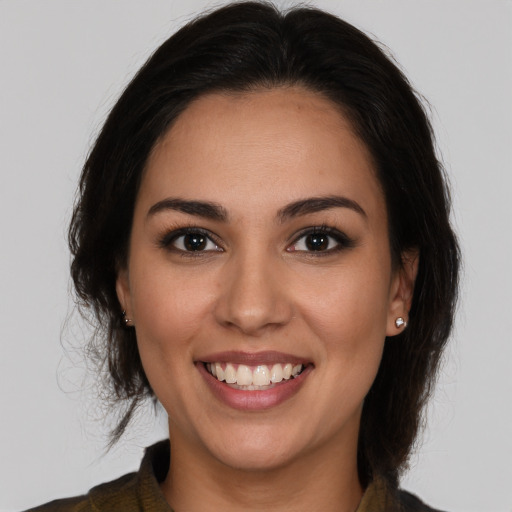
195	242
317	242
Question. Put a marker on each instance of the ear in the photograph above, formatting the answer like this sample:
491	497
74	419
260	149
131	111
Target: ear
123	291
401	291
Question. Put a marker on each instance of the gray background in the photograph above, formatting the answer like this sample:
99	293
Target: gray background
63	63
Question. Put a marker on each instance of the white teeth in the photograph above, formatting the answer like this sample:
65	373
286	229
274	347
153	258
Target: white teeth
287	371
230	374
276	374
253	378
243	375
261	376
219	372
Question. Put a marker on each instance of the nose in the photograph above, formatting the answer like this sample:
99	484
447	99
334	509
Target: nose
253	298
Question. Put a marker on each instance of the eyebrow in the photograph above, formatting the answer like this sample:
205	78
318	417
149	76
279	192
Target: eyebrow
205	209
214	211
318	204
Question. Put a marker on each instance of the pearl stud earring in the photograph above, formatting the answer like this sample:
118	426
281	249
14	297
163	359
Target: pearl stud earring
127	321
400	322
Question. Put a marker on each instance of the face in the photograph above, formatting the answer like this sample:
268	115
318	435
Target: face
259	278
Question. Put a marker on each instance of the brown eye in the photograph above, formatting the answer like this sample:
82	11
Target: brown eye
317	242
194	242
321	240
189	241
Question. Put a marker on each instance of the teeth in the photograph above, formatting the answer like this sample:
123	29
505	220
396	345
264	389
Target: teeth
219	372
243	375
276	374
253	378
230	374
261	376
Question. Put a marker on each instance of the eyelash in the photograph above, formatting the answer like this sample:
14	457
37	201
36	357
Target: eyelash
341	240
170	238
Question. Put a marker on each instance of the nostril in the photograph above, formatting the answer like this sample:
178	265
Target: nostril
252	296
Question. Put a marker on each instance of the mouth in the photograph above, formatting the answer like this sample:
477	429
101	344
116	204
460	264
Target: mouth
254	381
253	378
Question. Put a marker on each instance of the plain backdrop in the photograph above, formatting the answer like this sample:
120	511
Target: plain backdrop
62	65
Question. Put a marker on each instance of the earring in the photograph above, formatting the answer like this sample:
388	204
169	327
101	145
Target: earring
400	322
127	321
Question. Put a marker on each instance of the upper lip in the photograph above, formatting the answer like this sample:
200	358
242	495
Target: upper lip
253	358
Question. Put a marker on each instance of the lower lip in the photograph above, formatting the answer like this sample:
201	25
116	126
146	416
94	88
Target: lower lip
254	400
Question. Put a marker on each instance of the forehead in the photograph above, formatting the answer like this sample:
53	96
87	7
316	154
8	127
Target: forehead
278	145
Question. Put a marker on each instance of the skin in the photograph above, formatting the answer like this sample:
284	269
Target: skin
257	287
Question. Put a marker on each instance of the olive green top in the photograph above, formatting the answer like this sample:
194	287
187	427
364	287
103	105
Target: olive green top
140	492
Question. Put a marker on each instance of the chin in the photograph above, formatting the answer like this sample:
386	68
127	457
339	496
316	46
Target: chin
255	460
255	452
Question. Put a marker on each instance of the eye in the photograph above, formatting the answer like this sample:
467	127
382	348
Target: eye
321	240
189	240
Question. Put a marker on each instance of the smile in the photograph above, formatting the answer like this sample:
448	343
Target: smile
254	381
253	378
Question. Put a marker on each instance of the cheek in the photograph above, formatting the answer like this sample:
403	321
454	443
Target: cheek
348	315
169	302
169	309
348	305
169	314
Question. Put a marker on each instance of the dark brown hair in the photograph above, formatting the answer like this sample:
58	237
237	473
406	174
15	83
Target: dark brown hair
243	47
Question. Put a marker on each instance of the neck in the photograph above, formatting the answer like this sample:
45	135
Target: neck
325	480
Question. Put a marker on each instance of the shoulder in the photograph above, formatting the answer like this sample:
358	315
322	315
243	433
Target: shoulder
381	496
411	503
133	492
78	504
119	494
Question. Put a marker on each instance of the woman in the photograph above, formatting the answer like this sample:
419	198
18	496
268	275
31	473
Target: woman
262	232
